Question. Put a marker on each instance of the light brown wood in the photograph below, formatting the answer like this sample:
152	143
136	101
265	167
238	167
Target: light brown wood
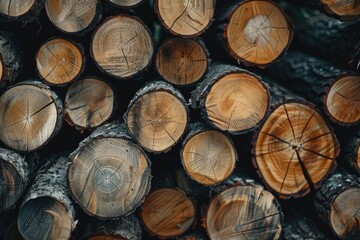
31	116
16	8
243	212
343	100
346	8
59	61
258	32
185	17
72	16
122	46
89	102
208	157
167	213
295	150
182	61
126	3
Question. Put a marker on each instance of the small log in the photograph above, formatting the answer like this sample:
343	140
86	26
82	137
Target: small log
254	32
182	61
122	228
74	17
331	39
157	116
21	10
31	116
345	10
351	155
89	103
16	173
47	211
168	213
110	175
185	18
295	149
59	61
10	60
208	155
338	204
125	3
242	209
189	186
231	99
122	46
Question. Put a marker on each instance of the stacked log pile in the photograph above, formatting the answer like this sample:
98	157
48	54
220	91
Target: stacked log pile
179	119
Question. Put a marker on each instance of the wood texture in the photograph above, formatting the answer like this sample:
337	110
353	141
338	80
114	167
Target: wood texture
182	61
188	185
167	213
47	211
338	204
345	10
226	102
185	17
109	175
20	10
126	3
89	103
157	116
32	115
122	46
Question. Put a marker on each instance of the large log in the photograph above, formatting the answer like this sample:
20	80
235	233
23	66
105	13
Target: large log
89	103
351	153
345	10
20	10
338	204
231	99
185	18
32	114
295	149
110	175
333	89
136	46
60	61
182	61
157	116
47	211
254	32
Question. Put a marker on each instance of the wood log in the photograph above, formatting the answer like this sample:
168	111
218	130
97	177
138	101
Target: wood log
182	61
89	103
351	153
122	228
242	209
10	60
136	46
126	3
110	175
47	211
189	186
331	39
185	18
20	10
295	149
345	10
16	173
74	17
333	89
208	155
168	213
31	116
157	116
226	102
60	61
194	235
254	32
338	204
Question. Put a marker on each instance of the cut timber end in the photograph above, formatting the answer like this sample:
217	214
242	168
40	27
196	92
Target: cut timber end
295	150
346	10
208	157
182	61
89	102
32	115
243	212
16	8
59	61
168	213
185	17
342	101
126	3
258	32
122	46
72	16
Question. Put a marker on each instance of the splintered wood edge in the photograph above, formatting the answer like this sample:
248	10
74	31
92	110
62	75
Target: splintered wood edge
72	60
346	10
255	22
25	7
126	3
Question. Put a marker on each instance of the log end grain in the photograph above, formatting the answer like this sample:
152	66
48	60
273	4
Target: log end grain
125	3
346	10
17	8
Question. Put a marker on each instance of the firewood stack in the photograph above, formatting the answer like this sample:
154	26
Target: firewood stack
179	119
